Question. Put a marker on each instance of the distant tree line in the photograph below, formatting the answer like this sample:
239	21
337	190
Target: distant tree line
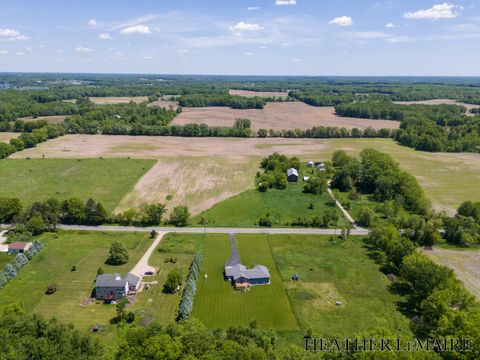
234	102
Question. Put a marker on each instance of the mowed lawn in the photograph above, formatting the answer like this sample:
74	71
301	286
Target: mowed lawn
175	251
106	181
331	272
217	304
283	206
53	264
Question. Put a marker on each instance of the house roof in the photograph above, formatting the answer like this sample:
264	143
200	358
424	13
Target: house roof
110	280
292	171
116	280
21	245
132	279
240	271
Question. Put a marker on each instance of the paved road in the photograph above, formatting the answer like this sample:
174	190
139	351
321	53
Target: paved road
215	230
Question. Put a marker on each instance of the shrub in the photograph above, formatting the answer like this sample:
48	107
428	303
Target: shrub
51	288
118	254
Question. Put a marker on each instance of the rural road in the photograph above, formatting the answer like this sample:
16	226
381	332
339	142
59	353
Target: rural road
215	230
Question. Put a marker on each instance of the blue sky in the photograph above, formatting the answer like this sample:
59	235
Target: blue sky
256	37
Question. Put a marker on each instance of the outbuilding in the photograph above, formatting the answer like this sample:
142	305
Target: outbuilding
18	247
292	175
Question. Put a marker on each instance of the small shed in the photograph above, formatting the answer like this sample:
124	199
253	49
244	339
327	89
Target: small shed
18	247
310	164
292	175
295	277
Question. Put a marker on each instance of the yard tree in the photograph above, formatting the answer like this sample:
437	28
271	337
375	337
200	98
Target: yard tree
315	185
118	254
180	216
152	214
174	280
10	208
340	158
36	225
95	213
73	211
366	217
471	209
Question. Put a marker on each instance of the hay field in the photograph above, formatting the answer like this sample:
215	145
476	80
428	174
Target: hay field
56	119
248	93
279	116
465	263
107	100
447	178
6	136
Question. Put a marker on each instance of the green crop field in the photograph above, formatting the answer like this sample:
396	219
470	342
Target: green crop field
53	264
106	181
284	206
218	305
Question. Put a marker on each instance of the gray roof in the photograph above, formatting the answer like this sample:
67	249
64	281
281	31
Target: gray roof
109	280
132	279
115	280
233	267
240	271
292	171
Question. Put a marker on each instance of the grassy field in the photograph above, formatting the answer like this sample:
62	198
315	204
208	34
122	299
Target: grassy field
55	119
88	251
106	180
218	305
448	179
284	206
335	272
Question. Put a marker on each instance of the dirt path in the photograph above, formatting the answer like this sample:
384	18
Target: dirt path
342	209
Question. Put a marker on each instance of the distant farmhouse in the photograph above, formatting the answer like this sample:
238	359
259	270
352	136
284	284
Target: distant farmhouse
110	287
239	275
292	175
18	247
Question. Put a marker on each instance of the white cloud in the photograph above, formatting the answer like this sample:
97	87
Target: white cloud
136	29
390	25
342	21
12	35
92	22
436	12
285	2
83	49
148	57
60	51
118	55
367	35
242	26
249	53
3	52
253	8
297	60
105	36
20	53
